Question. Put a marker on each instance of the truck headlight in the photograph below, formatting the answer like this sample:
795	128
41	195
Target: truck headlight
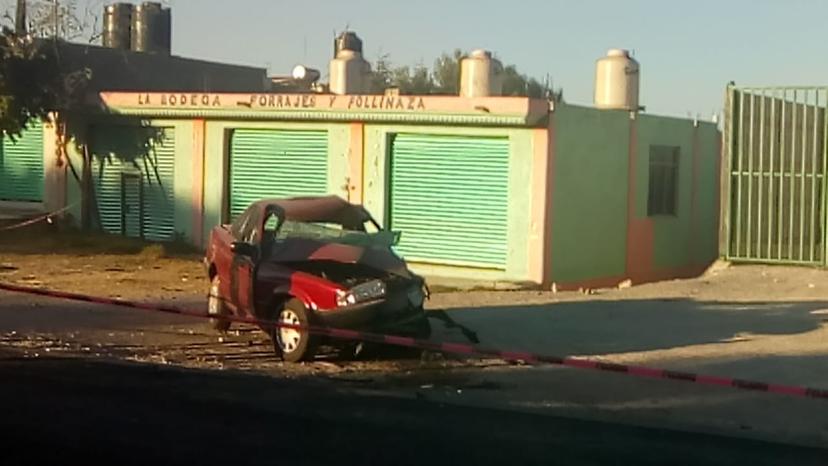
367	291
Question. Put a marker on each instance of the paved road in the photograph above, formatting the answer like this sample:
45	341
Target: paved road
58	411
55	410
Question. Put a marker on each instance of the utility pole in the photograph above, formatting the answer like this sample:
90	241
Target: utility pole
55	10
20	18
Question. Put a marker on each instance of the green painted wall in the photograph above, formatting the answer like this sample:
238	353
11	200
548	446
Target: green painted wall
589	213
707	196
183	170
672	234
183	175
375	170
217	141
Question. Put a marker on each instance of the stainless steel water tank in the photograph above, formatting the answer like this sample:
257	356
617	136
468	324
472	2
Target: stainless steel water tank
151	28
117	22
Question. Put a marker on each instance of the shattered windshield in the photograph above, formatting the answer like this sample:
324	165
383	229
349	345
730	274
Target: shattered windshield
328	232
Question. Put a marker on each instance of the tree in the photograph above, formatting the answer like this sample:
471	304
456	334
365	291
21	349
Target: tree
63	20
382	75
444	78
52	19
32	82
447	72
517	84
413	81
28	84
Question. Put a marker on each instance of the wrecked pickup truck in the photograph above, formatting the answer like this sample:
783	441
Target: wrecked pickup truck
312	261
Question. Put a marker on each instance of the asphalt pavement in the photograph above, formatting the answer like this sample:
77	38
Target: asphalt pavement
78	411
86	410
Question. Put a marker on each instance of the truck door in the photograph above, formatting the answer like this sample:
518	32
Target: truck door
243	266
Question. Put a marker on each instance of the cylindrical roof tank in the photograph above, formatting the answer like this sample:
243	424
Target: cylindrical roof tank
117	22
163	38
480	75
347	41
151	28
305	74
349	73
617	81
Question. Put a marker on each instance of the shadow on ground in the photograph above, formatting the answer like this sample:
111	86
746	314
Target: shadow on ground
621	398
620	326
66	410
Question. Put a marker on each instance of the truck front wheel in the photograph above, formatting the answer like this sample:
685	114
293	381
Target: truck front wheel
294	345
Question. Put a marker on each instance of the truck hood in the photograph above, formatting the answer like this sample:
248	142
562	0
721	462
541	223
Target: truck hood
299	250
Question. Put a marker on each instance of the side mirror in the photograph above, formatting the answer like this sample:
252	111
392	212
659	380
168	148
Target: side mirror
243	249
397	235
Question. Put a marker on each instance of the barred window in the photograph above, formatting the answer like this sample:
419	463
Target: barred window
663	193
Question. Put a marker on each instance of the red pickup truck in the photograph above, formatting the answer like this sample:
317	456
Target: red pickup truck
312	261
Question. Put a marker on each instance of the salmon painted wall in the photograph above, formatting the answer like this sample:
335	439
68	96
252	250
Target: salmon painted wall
589	196
520	244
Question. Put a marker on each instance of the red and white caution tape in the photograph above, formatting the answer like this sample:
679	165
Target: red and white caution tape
456	348
32	221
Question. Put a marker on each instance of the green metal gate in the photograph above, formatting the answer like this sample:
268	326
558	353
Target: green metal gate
21	166
449	197
267	163
776	161
134	181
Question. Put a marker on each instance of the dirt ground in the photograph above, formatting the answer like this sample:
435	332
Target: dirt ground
122	268
99	264
132	269
116	267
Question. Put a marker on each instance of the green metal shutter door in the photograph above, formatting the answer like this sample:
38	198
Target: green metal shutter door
449	197
276	164
106	143
131	202
158	194
115	156
21	166
106	172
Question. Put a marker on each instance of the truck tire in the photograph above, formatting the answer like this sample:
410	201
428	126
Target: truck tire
294	345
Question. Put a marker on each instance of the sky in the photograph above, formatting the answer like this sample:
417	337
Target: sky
688	50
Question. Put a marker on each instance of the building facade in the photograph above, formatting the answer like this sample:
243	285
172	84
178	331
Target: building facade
492	189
